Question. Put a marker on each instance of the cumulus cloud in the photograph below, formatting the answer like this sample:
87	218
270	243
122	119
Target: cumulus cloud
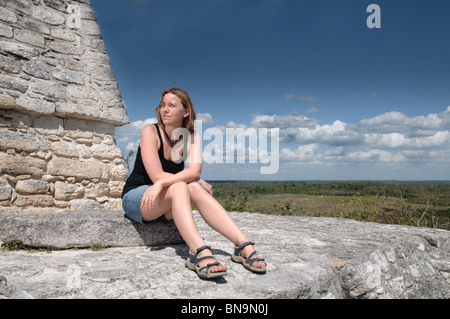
394	122
331	134
392	138
302	153
205	117
391	130
130	131
274	120
400	141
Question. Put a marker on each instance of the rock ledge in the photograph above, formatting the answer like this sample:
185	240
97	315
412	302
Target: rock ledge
307	258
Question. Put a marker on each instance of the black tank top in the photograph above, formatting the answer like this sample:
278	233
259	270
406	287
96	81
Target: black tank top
139	175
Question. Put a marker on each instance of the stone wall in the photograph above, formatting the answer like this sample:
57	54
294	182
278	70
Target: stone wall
59	106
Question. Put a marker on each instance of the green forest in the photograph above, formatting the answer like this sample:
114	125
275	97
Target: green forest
421	204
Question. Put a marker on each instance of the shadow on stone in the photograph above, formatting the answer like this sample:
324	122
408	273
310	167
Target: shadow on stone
160	232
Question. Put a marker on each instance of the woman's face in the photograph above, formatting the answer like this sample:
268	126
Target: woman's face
171	110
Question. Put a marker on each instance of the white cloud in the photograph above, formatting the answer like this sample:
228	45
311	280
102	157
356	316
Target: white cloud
312	110
292	96
394	121
335	134
130	131
274	120
400	141
387	143
302	153
205	118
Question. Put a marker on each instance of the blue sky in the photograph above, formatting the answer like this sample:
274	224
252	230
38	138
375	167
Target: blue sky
350	102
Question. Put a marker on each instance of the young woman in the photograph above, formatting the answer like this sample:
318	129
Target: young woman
160	187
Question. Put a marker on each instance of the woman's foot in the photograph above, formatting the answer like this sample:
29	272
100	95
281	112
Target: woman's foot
246	251
246	255
207	252
204	264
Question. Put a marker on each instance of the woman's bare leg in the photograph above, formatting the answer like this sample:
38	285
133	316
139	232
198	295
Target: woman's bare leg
216	217
174	202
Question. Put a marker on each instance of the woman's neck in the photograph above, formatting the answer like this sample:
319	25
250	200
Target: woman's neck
168	129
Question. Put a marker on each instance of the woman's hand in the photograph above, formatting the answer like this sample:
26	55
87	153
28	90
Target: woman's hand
150	197
206	186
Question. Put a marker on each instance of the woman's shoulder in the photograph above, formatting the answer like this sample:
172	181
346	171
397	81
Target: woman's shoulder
149	129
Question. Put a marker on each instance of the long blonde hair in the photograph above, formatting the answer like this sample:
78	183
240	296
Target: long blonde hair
188	122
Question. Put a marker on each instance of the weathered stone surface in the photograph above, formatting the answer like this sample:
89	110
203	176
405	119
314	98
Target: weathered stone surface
64	191
49	125
21	165
64	149
70	167
5	190
32	186
82	229
34	200
20	141
58	44
59	103
307	258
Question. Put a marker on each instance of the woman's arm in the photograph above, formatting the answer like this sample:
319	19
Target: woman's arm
149	151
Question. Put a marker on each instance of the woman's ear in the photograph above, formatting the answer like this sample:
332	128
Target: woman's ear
186	113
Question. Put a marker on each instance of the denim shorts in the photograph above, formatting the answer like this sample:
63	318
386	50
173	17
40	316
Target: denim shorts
131	203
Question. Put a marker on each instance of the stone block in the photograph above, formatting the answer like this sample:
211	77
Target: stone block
68	76
13	83
49	88
118	173
37	69
49	125
6	101
32	186
19	49
82	111
103	151
6	31
23	6
65	149
7	15
37	105
34	201
48	15
29	37
84	228
9	65
21	165
21	142
70	167
14	120
67	192
5	190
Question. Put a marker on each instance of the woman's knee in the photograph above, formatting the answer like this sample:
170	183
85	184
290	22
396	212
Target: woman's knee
194	187
178	189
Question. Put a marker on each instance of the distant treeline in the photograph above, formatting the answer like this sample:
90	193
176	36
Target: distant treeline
423	204
410	190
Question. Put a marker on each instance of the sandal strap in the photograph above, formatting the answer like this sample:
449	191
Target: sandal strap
237	250
200	249
194	257
208	267
251	260
200	259
197	260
